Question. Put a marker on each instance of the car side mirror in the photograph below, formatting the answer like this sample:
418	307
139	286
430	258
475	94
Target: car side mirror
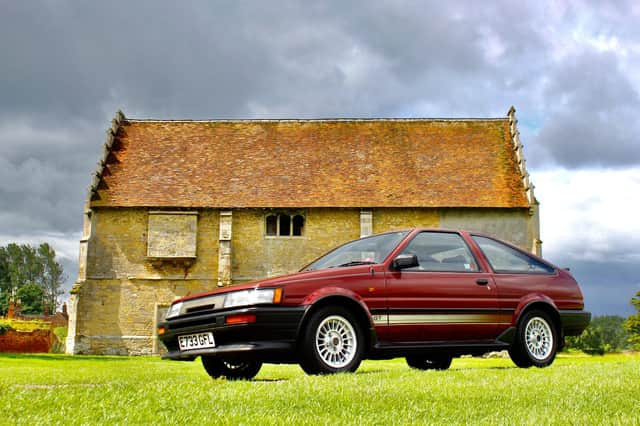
404	261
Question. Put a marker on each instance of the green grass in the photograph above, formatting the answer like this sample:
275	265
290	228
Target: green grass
57	389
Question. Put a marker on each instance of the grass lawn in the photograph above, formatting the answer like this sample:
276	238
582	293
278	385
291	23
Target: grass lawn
58	389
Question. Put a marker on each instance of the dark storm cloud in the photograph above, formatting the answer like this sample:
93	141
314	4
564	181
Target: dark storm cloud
607	286
239	59
595	121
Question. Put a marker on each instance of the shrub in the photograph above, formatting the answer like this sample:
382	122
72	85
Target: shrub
4	327
604	334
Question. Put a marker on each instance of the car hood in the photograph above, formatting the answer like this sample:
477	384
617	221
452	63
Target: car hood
278	281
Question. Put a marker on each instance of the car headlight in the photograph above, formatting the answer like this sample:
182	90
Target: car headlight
252	297
174	310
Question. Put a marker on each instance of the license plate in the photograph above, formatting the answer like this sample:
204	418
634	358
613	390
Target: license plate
196	341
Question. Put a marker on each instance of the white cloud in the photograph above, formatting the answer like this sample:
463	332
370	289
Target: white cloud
65	245
590	214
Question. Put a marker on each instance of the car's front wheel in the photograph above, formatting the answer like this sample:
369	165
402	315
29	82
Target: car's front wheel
232	370
536	341
431	363
332	342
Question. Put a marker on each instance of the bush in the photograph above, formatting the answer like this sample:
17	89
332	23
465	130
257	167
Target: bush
4	327
605	334
632	325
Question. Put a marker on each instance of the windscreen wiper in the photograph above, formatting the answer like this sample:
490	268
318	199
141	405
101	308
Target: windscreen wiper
356	262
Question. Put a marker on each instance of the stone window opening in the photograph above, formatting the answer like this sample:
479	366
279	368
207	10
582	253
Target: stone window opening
284	225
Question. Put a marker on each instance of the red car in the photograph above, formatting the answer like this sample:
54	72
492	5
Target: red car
425	294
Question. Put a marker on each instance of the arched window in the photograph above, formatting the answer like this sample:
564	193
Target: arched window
272	225
284	225
298	225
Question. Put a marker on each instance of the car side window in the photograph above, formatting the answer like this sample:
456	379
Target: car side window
505	259
441	251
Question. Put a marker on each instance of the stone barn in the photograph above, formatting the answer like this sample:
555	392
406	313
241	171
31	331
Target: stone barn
181	206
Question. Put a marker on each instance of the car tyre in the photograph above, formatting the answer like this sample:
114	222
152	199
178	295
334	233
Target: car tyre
332	342
429	363
536	341
232	370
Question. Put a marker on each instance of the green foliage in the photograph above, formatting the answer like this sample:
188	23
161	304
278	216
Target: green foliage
604	334
4	303
22	265
632	325
31	297
143	390
4	327
52	275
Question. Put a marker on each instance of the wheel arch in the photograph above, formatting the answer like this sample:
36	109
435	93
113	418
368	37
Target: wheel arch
354	306
549	309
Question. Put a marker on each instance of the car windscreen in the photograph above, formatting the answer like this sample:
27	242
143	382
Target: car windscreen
366	250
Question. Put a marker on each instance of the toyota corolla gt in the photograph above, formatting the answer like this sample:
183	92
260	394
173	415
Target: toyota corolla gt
428	295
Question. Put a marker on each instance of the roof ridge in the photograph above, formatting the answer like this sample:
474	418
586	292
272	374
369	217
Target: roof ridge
296	120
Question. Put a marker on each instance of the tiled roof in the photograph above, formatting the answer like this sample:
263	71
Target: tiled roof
311	163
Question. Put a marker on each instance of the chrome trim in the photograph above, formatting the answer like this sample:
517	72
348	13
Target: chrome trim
415	319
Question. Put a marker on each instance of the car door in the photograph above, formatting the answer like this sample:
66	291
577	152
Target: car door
448	297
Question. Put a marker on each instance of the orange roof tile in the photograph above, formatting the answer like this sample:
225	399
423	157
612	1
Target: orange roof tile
312	163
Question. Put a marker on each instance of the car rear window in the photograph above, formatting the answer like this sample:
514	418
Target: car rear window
505	259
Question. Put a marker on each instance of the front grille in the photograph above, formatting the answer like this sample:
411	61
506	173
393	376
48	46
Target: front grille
201	308
203	304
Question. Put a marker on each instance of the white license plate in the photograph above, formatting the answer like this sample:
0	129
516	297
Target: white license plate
196	341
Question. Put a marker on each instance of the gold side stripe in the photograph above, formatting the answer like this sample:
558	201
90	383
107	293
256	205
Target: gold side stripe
411	319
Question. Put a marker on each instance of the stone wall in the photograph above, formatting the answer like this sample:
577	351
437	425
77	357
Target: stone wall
255	255
396	219
116	304
513	225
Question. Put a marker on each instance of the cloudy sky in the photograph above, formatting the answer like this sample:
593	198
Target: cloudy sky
571	69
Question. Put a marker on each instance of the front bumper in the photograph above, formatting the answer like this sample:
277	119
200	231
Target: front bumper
574	322
271	337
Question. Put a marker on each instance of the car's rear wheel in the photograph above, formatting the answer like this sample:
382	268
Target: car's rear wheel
232	370
536	340
430	363
332	342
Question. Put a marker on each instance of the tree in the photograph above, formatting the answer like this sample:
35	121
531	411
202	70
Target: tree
22	265
4	303
633	323
604	334
5	282
52	276
31	297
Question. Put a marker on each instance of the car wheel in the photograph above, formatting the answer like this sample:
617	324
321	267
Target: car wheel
232	370
536	341
332	342
432	363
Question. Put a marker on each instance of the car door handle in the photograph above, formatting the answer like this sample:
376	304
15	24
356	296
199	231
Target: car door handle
482	281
